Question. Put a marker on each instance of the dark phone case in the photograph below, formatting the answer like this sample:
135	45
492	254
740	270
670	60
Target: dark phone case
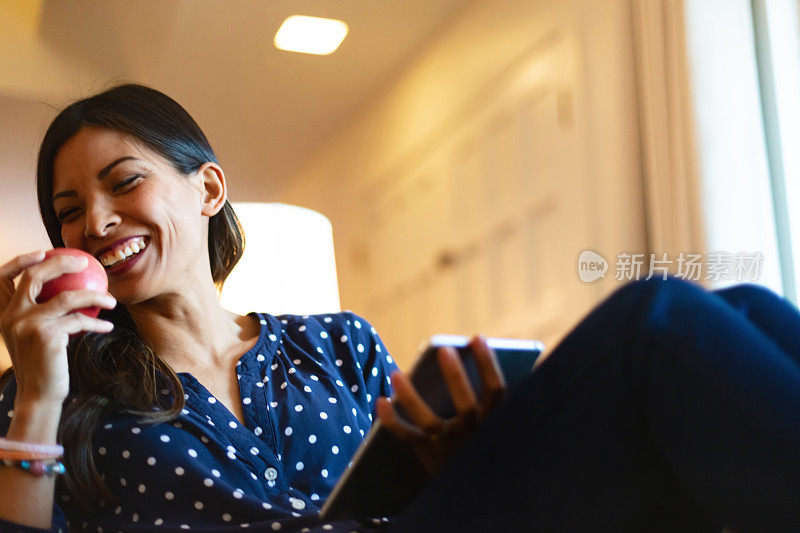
388	475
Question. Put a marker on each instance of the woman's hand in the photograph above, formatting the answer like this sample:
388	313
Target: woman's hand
36	335
434	439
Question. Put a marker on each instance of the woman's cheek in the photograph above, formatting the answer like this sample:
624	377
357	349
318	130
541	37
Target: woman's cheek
70	236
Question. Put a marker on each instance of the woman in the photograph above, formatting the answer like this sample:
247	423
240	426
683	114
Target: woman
175	413
255	416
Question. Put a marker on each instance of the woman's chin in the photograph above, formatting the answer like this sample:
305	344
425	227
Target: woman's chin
127	296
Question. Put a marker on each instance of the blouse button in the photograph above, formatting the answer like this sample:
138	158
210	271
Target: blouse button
270	473
298	504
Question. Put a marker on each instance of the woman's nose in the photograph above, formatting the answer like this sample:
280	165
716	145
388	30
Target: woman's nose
99	220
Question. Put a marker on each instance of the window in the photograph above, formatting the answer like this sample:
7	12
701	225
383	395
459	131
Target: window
745	71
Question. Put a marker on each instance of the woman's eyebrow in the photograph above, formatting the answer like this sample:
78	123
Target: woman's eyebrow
100	175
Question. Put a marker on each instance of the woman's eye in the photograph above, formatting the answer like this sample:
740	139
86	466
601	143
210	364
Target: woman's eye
64	214
127	181
67	212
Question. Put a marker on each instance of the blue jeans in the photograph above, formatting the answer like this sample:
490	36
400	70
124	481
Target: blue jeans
668	408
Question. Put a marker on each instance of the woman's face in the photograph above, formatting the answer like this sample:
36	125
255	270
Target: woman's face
117	189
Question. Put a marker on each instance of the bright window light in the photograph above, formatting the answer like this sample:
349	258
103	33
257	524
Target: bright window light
734	164
310	35
780	35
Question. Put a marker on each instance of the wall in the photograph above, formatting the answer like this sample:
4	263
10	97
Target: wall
32	73
21	121
31	67
463	195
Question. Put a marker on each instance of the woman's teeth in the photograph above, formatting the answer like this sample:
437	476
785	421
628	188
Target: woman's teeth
120	254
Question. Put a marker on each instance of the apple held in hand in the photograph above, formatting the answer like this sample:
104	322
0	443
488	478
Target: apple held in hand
92	277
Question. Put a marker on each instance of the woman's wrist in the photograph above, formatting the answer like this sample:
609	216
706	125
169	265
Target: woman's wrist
34	421
41	394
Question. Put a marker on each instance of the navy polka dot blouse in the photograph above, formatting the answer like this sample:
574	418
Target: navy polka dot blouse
308	389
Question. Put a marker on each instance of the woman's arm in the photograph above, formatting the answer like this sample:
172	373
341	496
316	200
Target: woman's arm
36	336
24	498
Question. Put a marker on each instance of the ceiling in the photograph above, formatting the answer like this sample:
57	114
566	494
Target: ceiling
264	110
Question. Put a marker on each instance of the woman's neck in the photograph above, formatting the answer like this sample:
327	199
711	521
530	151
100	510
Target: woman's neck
193	330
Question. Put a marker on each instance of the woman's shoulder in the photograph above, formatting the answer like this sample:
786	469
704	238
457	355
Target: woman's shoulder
7	381
344	318
8	391
345	326
322	318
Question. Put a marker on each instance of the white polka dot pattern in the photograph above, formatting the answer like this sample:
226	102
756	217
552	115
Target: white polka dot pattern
306	401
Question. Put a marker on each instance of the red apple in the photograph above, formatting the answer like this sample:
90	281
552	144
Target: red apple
92	277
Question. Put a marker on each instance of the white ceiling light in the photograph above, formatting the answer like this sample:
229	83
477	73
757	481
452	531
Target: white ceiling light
310	35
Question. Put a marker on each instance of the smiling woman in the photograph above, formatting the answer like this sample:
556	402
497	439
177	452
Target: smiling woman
159	204
118	368
176	412
668	408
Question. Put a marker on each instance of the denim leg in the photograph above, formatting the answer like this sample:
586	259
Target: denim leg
776	316
665	409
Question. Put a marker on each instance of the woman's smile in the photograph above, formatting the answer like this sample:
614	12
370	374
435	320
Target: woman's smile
123	248
120	266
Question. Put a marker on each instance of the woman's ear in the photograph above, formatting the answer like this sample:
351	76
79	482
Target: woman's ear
213	187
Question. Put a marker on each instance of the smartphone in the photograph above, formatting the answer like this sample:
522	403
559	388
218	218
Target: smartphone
385	474
516	358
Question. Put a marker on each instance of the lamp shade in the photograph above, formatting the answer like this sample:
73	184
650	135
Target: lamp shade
288	264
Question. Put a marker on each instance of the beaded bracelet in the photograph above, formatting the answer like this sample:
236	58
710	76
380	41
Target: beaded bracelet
21	456
38	468
51	450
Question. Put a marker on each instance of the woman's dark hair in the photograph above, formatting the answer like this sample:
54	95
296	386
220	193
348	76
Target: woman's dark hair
118	371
